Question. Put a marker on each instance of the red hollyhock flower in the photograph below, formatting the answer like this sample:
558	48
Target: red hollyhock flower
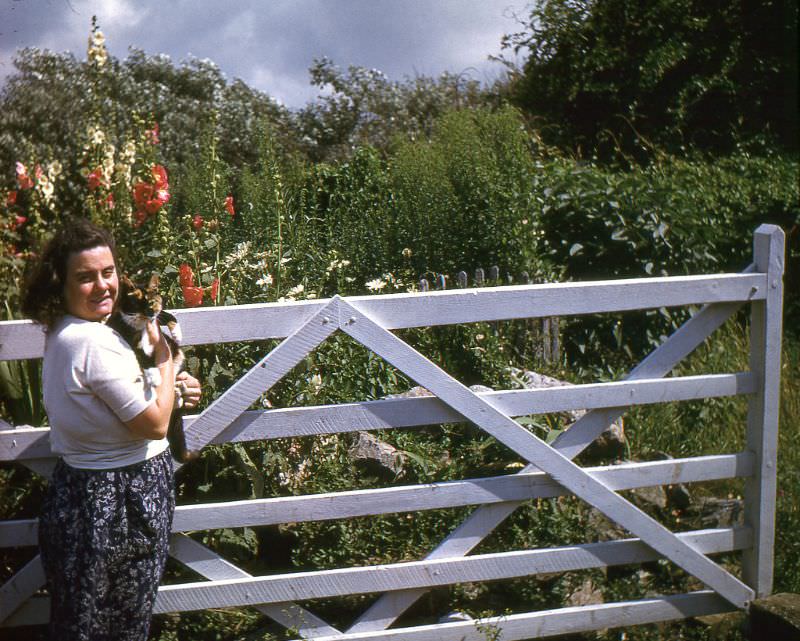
159	177
139	217
95	178
11	198
192	296
214	290
186	275
149	197
109	201
229	206
197	222
142	192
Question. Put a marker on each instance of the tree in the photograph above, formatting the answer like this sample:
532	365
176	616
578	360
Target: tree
364	107
678	72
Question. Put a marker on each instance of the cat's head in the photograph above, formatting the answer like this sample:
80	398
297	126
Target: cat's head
138	303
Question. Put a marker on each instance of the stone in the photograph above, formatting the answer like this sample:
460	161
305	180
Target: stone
610	445
724	627
587	594
775	617
711	512
455	616
376	456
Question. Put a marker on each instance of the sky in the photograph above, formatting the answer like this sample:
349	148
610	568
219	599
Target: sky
270	44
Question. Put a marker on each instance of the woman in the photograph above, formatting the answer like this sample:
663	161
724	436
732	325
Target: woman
106	519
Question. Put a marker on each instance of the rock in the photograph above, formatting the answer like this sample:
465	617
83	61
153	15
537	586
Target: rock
587	594
375	456
480	389
414	392
455	616
610	445
724	627
711	512
775	617
656	496
600	528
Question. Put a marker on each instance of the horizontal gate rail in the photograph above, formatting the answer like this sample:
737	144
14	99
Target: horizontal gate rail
24	339
548	472
430	496
30	443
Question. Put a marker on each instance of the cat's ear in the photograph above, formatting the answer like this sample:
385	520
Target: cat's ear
125	283
153	284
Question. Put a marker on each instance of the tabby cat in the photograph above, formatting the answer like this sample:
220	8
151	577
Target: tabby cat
135	306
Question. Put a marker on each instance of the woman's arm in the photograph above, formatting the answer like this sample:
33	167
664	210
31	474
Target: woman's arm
152	423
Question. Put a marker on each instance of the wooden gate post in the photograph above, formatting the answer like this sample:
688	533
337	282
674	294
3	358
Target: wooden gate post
762	420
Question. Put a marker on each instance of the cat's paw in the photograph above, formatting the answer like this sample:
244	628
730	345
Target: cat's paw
152	377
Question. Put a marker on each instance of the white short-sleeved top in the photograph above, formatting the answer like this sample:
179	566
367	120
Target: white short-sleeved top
92	384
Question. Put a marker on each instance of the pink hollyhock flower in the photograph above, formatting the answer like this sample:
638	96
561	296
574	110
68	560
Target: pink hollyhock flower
23	179
197	222
18	222
229	206
214	290
192	296
109	201
11	198
152	134
95	178
186	275
37	171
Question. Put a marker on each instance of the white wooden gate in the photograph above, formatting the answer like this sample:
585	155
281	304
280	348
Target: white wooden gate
550	471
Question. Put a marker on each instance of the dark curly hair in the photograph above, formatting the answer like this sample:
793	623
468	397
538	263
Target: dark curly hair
43	296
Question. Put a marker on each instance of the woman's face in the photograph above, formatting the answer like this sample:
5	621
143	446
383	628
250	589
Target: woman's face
92	283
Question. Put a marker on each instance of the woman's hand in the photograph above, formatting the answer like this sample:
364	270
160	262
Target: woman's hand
190	389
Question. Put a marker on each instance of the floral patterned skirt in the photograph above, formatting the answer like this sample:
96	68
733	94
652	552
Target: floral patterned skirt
104	539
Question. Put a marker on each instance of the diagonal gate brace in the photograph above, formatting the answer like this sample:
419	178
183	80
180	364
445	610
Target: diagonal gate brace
478	525
272	368
549	460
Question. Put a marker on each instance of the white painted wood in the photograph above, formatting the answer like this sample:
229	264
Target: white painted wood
273	367
300	586
483	520
412	309
23	339
20	587
414	498
762	420
512	487
657	364
547	623
549	460
35	611
515	626
410	412
43	467
212	566
28	442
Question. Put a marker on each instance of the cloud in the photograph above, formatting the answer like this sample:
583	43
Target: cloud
271	45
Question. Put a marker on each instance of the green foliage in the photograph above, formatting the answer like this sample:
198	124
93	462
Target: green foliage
679	72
